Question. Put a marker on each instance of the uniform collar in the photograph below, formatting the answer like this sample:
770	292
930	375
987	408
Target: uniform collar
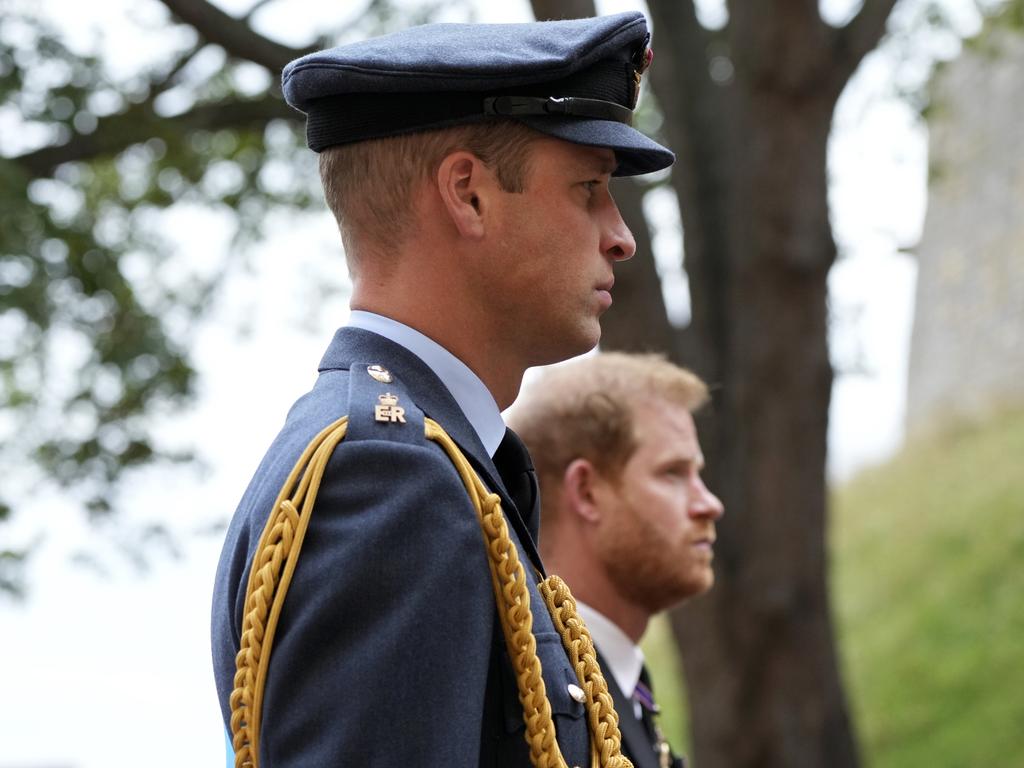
473	397
623	657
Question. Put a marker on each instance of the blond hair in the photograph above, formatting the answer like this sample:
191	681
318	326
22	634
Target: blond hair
584	409
369	185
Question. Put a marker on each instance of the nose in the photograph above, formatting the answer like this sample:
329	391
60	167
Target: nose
703	503
617	241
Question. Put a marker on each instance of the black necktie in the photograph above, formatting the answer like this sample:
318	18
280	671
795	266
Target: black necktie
516	469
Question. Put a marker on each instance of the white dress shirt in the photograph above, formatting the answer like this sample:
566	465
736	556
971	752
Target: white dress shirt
475	400
624	658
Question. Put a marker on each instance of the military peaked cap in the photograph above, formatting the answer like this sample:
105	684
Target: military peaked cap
577	80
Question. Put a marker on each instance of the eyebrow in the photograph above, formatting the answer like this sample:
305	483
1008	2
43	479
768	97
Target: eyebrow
607	164
601	163
696	460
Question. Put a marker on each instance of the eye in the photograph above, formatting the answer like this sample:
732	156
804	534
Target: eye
592	185
680	470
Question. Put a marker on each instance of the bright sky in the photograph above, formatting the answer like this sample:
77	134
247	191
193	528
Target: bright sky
115	673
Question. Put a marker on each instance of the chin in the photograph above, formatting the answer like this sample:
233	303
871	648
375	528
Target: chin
697	585
589	337
706	583
571	346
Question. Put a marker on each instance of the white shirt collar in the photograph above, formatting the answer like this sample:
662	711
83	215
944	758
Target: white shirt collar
623	657
475	400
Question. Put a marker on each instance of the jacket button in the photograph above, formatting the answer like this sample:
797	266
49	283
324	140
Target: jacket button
576	692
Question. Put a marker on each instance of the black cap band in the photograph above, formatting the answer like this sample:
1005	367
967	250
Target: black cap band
517	106
599	92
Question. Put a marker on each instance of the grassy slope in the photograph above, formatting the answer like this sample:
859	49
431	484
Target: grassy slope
929	583
928	579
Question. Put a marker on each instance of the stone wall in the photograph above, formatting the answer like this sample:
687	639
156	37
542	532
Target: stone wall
967	348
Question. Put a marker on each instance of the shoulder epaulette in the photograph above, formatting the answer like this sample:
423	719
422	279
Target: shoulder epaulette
380	407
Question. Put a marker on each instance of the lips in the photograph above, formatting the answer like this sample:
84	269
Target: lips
604	292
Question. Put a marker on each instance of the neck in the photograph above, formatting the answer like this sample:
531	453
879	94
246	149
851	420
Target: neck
590	584
437	316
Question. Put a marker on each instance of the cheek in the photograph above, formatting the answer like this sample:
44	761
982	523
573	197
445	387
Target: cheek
568	221
663	506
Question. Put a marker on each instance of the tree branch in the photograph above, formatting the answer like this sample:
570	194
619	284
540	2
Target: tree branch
769	21
139	123
702	120
548	10
681	66
255	9
166	80
638	321
781	45
233	35
854	41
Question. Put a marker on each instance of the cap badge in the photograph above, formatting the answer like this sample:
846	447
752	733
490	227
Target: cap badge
380	373
641	63
388	410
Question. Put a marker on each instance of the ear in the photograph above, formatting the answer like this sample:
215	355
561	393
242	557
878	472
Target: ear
580	490
464	182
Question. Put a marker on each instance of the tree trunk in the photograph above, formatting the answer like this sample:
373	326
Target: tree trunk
758	650
637	320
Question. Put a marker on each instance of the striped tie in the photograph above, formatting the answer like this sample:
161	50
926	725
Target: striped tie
649	709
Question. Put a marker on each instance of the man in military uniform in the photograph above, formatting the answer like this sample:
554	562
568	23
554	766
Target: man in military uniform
627	521
468	167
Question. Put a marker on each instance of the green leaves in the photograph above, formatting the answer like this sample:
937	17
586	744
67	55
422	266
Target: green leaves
98	303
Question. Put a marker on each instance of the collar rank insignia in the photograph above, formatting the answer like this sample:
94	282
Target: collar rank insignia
388	410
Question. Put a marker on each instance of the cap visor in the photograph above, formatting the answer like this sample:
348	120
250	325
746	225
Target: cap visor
636	153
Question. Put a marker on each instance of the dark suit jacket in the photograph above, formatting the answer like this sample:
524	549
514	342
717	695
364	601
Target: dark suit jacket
637	743
388	651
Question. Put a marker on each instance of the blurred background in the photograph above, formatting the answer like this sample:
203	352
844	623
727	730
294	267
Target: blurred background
839	251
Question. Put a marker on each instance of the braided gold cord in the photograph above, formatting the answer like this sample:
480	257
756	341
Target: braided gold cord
512	594
274	563
508	579
601	714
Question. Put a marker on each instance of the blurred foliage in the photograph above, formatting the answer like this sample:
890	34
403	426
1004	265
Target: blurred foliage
1007	17
924	35
98	304
96	307
927	552
1010	15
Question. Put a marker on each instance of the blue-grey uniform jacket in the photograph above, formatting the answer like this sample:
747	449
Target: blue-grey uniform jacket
388	651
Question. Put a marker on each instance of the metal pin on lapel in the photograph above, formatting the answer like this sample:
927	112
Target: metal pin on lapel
380	373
